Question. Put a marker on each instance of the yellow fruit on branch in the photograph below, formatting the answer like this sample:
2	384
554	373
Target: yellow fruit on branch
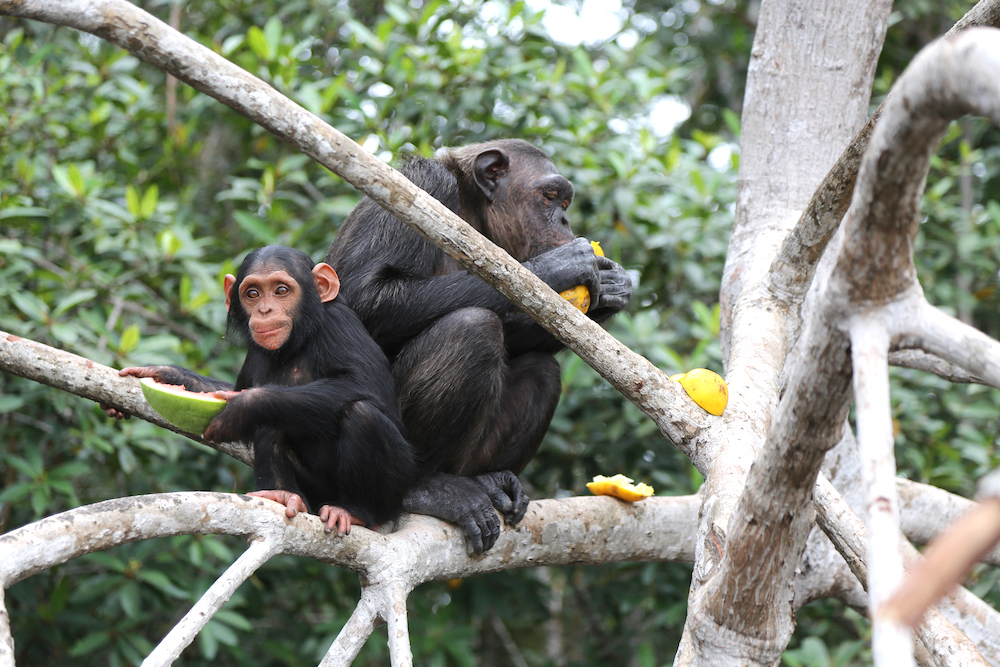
620	487
579	296
705	388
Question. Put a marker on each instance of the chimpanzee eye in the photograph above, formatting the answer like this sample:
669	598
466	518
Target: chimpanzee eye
252	293
282	290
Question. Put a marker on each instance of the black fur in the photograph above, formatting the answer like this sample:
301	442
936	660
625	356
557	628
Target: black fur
477	381
321	411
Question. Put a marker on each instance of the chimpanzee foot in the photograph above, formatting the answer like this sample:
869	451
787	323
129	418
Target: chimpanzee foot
505	492
292	501
339	517
459	500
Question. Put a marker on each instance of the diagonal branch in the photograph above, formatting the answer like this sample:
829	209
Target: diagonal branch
182	634
97	382
359	627
153	41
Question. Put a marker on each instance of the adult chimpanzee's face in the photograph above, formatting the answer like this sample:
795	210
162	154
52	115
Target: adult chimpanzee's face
271	300
548	194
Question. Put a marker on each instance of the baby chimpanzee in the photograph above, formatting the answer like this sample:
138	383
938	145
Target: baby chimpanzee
315	395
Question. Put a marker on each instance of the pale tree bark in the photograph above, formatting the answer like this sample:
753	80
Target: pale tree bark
810	323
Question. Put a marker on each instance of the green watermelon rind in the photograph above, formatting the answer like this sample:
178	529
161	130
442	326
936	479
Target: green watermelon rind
187	410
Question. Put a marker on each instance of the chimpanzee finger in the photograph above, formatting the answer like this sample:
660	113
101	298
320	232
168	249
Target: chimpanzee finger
338	517
521	501
293	502
505	492
489	530
115	413
496	488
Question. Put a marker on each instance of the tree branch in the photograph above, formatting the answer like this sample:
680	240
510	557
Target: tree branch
182	634
153	41
585	530
97	382
795	264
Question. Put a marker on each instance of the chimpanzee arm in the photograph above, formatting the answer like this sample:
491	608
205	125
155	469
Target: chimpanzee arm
396	300
523	334
302	411
176	375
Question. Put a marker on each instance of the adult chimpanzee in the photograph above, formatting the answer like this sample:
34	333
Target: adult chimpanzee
476	378
315	394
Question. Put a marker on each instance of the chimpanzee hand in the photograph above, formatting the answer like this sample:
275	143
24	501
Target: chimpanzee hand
506	494
459	500
614	293
567	266
234	423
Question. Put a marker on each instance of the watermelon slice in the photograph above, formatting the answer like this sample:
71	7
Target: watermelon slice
187	410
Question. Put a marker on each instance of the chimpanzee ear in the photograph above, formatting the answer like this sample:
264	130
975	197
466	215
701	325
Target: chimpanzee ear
327	282
490	166
227	285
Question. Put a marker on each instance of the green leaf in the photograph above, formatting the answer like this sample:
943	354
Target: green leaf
106	560
132	201
162	582
233	619
128	597
71	469
76	180
130	338
65	333
89	644
10	404
258	43
149	201
15	493
31	305
256	227
74	299
272	33
24	212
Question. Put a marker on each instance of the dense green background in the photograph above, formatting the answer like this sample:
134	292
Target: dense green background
120	212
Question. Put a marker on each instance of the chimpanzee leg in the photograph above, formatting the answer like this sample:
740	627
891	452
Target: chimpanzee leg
520	417
374	468
468	412
519	423
274	473
449	380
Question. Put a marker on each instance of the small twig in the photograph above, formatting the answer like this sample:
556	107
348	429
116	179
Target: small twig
508	642
919	360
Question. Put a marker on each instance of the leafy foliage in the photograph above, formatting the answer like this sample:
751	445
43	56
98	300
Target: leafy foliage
124	199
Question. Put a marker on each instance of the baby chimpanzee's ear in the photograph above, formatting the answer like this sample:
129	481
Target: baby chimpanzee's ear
327	282
227	285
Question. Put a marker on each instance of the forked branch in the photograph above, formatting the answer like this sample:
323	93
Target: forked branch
875	281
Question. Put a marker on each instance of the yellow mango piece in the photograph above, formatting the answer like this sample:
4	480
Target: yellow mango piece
579	296
620	487
705	388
